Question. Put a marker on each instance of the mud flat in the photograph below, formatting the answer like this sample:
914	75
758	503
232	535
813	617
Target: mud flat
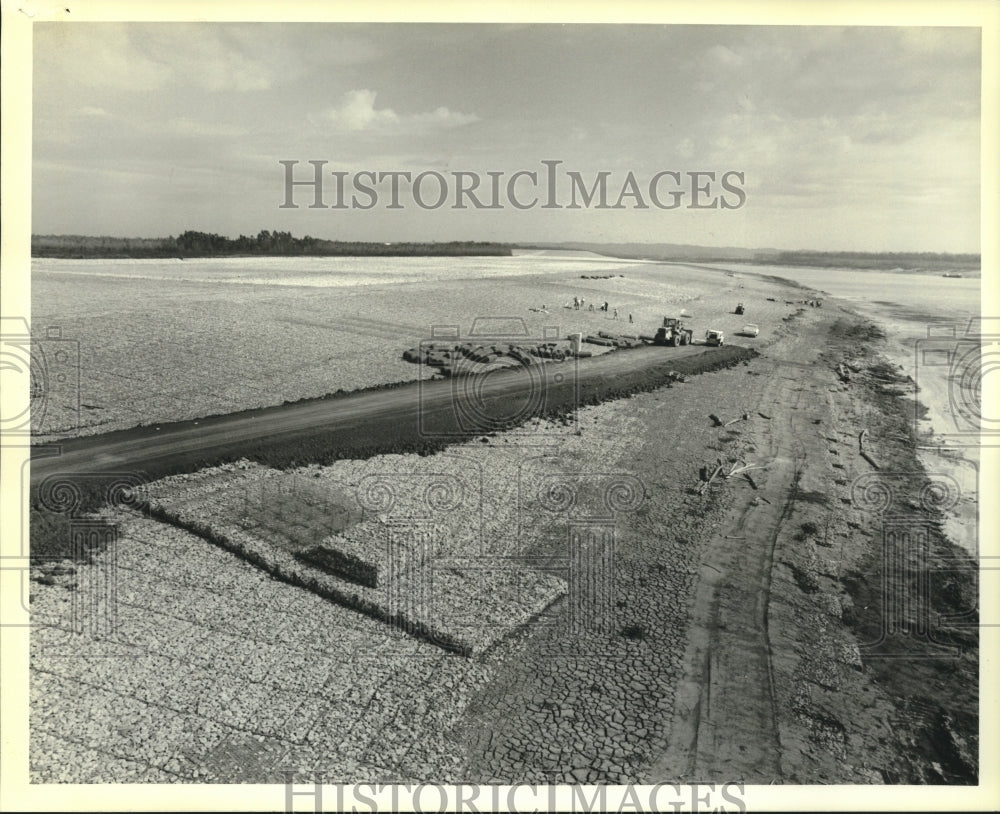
764	624
160	342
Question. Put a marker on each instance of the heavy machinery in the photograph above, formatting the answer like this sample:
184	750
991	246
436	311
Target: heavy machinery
673	333
739	308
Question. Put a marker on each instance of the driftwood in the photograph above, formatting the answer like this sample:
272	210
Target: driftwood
719	422
706	484
742	470
870	460
736	470
864	453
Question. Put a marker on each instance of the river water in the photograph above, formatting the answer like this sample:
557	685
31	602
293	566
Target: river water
936	331
334	272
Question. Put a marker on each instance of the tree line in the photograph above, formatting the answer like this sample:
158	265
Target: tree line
267	243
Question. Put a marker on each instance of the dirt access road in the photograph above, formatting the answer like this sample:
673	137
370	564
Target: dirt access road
377	420
727	718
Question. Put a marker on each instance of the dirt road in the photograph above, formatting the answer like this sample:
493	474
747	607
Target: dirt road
434	412
727	716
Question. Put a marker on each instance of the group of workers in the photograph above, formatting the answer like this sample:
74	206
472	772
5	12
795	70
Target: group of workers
580	302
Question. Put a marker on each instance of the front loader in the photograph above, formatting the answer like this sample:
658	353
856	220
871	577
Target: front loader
673	333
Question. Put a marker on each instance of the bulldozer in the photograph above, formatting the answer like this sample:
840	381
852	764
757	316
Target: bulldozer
739	309
673	333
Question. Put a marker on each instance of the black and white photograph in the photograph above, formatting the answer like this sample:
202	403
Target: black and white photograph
499	411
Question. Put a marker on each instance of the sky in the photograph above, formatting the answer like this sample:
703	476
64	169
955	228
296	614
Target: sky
853	139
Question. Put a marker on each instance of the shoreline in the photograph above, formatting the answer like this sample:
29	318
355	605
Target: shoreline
932	413
932	416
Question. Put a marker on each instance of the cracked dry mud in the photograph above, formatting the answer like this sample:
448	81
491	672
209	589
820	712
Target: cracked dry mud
739	642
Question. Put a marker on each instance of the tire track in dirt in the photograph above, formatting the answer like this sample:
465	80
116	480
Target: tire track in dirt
726	716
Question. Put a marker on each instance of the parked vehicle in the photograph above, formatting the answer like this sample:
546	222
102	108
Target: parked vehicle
750	330
716	338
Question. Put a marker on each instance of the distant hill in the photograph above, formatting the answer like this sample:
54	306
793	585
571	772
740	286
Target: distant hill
686	252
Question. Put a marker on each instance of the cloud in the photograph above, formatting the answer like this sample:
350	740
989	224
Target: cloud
207	57
184	126
93	55
725	56
442	117
951	41
136	57
357	112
